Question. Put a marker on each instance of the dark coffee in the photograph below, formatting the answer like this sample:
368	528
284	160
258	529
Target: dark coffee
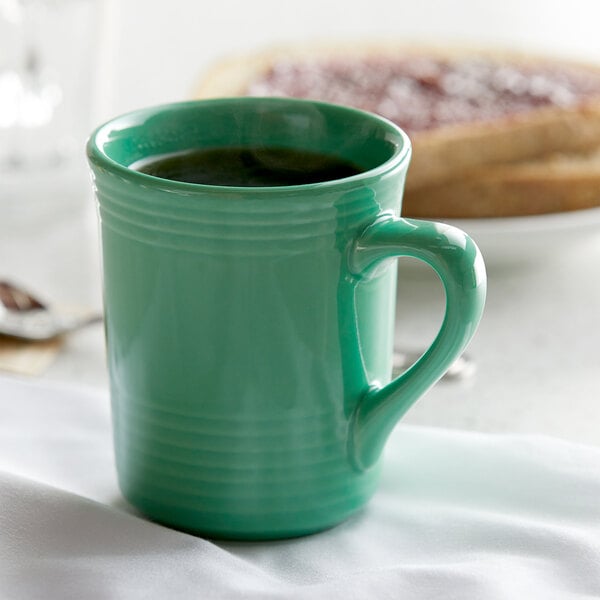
247	166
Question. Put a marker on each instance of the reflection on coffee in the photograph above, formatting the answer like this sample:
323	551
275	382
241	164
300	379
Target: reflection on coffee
248	166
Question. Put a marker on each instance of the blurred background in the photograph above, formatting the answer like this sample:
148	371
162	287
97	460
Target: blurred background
67	65
159	52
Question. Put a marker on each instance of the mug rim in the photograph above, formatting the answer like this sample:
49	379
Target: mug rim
97	139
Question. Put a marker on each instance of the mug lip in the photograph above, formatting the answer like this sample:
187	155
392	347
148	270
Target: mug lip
96	154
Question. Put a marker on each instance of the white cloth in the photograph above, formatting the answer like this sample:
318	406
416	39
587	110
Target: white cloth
457	515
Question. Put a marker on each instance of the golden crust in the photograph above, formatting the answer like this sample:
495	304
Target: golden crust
444	154
557	183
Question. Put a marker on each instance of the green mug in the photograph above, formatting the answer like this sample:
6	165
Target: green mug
250	329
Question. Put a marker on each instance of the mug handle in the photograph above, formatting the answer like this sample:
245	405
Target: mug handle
456	259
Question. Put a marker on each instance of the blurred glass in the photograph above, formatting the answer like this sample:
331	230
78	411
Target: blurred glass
48	61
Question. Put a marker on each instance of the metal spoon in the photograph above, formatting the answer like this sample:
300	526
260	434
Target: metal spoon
24	316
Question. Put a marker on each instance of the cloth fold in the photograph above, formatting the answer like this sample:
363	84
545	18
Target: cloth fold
457	515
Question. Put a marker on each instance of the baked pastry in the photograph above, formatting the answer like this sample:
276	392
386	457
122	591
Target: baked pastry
552	184
486	126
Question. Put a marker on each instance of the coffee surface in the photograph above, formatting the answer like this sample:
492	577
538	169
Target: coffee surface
248	167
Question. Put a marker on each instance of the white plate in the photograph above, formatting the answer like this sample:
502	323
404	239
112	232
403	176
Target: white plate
513	240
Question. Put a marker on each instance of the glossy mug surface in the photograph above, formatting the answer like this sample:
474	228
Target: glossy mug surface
250	330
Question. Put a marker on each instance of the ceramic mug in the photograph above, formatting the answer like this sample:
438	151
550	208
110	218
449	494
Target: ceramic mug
250	329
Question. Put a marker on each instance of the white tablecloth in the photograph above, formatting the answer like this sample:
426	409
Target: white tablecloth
457	515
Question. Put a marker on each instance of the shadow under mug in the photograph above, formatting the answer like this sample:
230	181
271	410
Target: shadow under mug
250	329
